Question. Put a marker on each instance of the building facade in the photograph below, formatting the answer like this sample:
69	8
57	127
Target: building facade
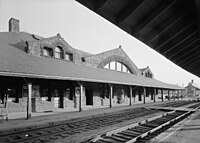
47	73
192	90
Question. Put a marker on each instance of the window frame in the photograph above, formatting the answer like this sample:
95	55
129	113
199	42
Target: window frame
49	51
59	53
69	55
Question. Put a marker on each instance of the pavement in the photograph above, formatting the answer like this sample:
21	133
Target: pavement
186	131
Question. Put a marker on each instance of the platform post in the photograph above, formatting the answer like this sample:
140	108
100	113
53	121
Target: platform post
130	89
154	95
162	95
178	94
168	95
111	94
80	98
29	101
144	95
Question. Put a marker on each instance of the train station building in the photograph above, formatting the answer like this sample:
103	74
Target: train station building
192	90
48	73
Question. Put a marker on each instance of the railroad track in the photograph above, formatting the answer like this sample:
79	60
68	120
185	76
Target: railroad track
144	131
60	130
177	103
195	106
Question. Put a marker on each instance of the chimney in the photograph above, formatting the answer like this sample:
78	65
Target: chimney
13	25
192	81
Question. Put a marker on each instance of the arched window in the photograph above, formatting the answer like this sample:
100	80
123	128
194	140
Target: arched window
58	53
117	66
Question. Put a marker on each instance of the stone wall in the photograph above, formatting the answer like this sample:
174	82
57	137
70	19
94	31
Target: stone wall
105	102
17	107
68	103
39	105
97	101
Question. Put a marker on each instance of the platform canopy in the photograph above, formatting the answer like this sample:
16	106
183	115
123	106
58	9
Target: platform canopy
17	63
171	27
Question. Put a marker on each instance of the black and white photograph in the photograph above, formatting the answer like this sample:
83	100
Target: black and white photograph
99	71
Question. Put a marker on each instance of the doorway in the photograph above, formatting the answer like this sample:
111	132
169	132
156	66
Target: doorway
89	97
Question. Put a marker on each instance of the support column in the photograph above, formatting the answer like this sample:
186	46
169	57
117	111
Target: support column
182	94
144	95
154	95
178	93
80	97
111	94
130	90
133	92
168	96
29	101
162	95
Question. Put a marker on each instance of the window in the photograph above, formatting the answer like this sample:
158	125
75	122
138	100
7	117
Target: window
119	68
69	57
112	65
106	66
83	59
124	68
48	52
58	53
44	94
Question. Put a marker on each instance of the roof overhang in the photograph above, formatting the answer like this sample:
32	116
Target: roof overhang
171	27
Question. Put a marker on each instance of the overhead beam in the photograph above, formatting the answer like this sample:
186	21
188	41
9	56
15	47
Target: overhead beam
182	31
191	60
171	48
174	22
187	54
179	50
194	65
128	10
197	4
163	6
99	4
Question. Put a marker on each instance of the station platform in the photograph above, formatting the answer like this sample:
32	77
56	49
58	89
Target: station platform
18	120
186	131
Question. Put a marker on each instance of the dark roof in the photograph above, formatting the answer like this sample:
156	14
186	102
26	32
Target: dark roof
15	62
171	27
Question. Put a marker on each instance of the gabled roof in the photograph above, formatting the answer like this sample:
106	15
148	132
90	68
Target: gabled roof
143	69
194	85
115	54
15	62
65	44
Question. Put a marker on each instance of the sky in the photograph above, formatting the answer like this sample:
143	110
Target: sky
87	31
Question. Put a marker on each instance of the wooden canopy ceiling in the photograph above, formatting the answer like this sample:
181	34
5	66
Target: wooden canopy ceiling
170	27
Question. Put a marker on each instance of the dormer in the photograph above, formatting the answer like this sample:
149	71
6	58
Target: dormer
146	72
53	47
